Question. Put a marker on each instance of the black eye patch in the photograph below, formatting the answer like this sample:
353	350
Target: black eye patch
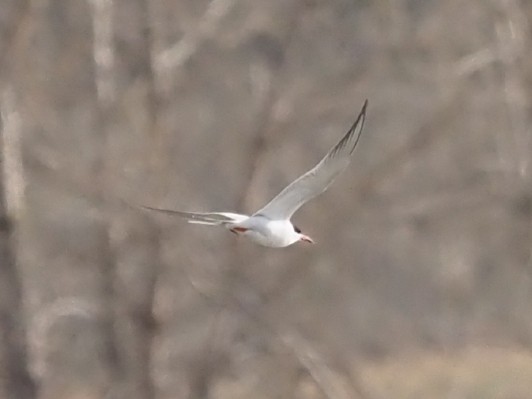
297	229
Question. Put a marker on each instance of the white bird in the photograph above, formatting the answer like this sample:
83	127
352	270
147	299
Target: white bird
271	225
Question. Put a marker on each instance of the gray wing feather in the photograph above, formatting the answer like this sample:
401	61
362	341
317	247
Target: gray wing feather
319	178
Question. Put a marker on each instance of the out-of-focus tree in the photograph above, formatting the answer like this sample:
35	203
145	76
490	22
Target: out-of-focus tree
423	244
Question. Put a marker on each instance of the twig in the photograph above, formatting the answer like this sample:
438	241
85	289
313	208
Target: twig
167	61
474	62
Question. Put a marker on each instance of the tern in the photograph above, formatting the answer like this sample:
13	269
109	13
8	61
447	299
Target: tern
271	225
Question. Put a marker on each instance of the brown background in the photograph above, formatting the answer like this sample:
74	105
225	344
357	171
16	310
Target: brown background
420	284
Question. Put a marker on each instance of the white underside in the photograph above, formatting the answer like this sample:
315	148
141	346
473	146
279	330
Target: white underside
261	230
269	233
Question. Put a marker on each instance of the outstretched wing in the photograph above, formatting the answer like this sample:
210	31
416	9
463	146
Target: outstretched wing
316	180
209	218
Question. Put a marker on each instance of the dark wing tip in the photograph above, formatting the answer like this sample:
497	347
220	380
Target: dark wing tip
358	124
360	121
361	116
364	106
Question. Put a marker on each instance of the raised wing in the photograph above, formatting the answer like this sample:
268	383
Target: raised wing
316	180
210	218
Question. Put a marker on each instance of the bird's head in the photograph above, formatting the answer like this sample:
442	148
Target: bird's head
303	237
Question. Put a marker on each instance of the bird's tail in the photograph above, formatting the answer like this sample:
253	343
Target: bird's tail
206	218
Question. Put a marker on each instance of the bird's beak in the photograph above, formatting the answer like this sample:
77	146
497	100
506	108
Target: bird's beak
306	239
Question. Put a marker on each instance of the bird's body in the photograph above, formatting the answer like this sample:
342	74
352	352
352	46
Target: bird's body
267	232
271	225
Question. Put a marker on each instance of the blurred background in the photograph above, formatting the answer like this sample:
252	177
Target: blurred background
420	284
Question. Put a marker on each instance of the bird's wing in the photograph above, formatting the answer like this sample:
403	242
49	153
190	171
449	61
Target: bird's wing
316	180
210	218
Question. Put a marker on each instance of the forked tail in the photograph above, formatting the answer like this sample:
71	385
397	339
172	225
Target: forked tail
206	218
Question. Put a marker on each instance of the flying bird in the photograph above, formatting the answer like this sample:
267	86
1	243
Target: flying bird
271	225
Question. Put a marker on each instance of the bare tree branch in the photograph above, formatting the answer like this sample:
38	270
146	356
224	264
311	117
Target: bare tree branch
170	60
138	265
103	56
15	379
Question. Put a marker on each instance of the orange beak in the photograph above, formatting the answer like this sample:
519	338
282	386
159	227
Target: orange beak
306	239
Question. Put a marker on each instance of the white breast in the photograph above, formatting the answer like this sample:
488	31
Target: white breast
270	233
